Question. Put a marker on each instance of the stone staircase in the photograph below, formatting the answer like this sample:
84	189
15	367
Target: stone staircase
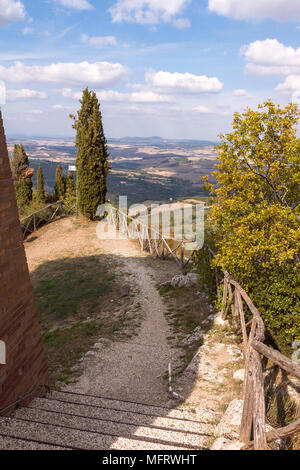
66	420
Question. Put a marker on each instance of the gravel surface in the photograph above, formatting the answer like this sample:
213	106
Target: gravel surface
133	370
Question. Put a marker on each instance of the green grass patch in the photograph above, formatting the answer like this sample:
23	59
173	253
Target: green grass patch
73	298
71	287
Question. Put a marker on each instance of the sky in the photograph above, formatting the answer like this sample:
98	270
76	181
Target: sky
177	69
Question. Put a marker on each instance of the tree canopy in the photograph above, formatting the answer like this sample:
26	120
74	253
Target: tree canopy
256	215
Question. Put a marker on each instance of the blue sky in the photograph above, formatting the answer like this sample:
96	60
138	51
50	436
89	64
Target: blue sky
173	68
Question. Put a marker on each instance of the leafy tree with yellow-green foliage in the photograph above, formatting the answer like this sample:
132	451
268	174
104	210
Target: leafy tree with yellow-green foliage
256	216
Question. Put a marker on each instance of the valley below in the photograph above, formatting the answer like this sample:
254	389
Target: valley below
144	169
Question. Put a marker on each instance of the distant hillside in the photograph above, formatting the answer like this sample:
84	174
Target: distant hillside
148	168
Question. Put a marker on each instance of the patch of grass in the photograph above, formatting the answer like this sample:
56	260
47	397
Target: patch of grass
282	411
165	290
74	302
74	286
224	407
65	346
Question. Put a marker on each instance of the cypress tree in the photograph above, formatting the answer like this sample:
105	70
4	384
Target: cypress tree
92	155
60	184
19	163
23	189
22	176
70	197
40	195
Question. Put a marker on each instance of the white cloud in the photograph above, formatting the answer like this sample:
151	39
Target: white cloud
35	111
148	11
280	10
25	94
76	4
98	41
270	57
182	23
27	31
202	109
290	85
116	96
11	11
150	97
83	73
183	82
240	92
60	107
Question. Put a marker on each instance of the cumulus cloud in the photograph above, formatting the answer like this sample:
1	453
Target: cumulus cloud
149	12
99	41
280	10
83	73
25	94
290	85
270	57
76	4
60	107
150	97
116	96
35	111
11	11
27	30
202	109
183	82
240	92
182	23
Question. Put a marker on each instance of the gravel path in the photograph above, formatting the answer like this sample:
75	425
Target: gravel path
133	370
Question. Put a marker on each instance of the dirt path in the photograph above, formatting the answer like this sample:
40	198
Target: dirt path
133	370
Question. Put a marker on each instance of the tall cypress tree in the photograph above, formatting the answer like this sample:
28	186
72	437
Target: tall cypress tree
70	197
40	194
22	176
92	155
60	184
19	163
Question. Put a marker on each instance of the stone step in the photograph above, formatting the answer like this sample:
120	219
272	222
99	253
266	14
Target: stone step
121	429
48	434
137	418
192	413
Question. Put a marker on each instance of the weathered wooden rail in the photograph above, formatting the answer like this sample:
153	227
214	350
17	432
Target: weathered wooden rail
254	348
150	239
44	216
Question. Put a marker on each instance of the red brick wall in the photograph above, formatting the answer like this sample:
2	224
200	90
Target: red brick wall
26	366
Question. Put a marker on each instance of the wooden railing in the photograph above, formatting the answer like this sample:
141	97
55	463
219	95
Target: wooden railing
236	299
149	238
44	216
254	348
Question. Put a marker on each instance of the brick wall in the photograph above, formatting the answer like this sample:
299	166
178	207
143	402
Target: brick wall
25	367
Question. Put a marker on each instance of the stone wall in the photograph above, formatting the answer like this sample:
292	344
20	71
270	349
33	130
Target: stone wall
25	367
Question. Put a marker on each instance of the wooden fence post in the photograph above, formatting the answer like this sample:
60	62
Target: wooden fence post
242	320
247	418
182	256
259	408
224	301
